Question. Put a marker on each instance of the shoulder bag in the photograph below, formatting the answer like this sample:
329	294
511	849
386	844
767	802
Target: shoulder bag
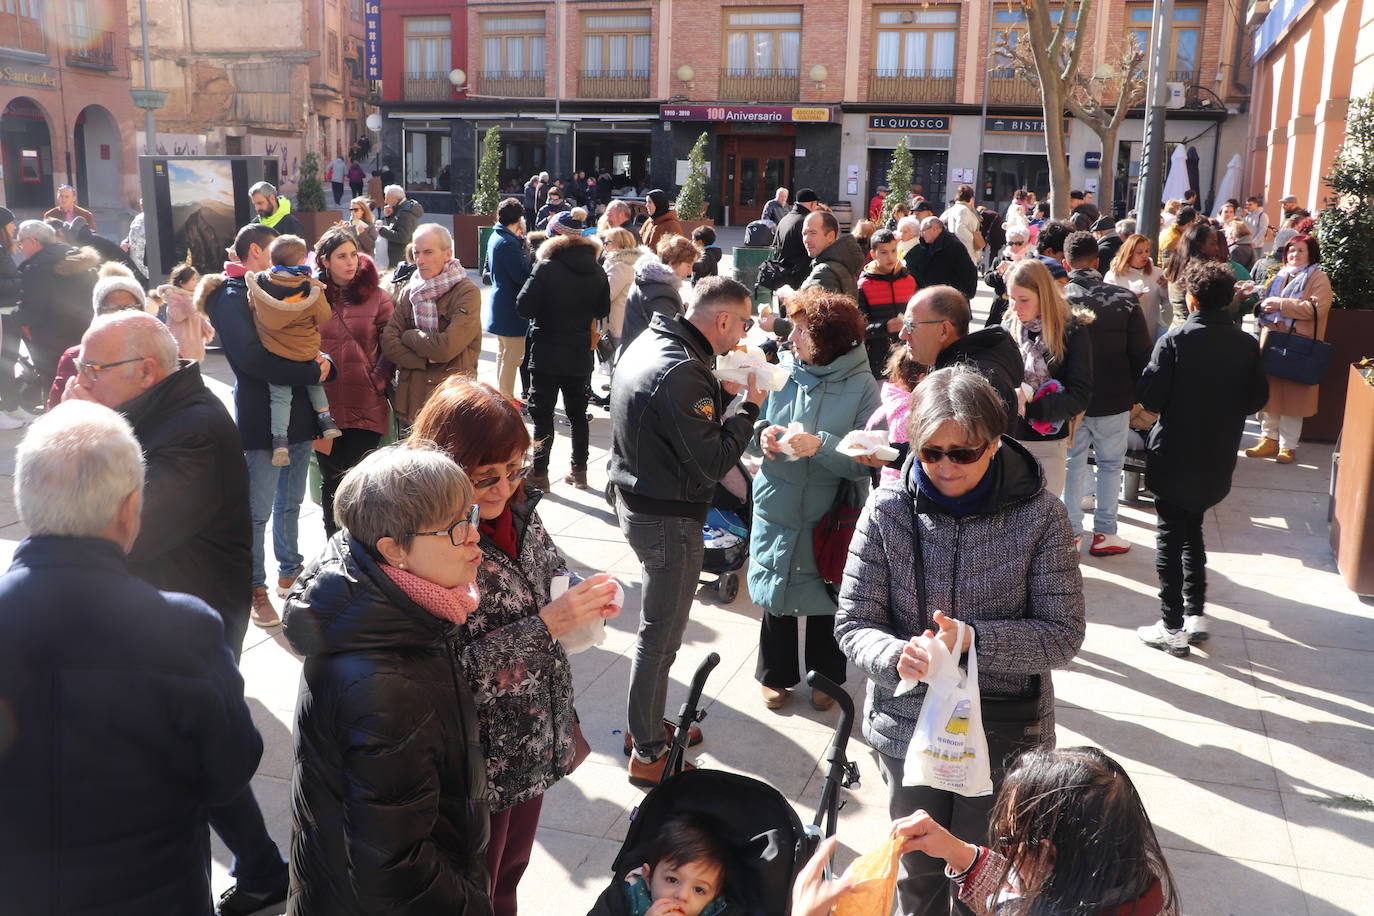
1296	358
832	534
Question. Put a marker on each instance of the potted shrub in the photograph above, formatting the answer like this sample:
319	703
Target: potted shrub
470	230
1345	231
310	207
691	200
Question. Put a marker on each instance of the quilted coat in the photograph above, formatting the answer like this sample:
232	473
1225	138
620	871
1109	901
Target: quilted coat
358	313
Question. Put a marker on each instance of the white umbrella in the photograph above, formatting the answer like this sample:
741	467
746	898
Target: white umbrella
1230	184
1177	182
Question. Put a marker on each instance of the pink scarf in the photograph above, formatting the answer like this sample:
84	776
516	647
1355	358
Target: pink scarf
452	604
424	294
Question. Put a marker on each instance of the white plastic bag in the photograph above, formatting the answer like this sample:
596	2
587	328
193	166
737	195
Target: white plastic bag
949	749
593	632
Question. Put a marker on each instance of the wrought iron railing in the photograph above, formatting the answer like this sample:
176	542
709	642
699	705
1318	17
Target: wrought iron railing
761	85
613	84
911	85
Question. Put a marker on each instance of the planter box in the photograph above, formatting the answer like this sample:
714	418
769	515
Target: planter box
1352	520
316	223
1351	332
689	224
466	232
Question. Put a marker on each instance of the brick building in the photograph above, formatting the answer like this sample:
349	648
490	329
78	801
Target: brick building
791	92
65	109
273	78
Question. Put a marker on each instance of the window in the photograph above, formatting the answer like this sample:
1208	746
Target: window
919	43
763	42
19	25
331	39
427	152
428	46
616	45
1186	37
355	7
262	95
513	47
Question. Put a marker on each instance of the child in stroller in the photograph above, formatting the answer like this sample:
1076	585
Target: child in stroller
686	873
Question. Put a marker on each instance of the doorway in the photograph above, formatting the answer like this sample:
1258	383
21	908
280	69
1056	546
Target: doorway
97	143
928	167
1003	173
623	154
27	154
754	169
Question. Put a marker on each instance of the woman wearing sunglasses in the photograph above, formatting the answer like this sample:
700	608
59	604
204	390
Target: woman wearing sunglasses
387	762
1017	248
362	223
515	665
970	535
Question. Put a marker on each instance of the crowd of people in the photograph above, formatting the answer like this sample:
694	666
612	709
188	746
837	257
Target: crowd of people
436	704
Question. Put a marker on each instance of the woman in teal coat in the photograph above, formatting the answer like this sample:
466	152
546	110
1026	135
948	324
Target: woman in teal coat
831	392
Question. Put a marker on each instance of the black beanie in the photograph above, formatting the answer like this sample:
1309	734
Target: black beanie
6	217
806	195
661	202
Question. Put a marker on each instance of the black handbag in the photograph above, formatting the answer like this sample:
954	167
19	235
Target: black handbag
1297	358
605	347
772	275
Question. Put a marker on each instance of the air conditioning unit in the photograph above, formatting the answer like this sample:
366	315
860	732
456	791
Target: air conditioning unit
1175	95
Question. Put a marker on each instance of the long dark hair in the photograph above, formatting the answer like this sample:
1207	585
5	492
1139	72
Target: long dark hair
1192	246
1082	803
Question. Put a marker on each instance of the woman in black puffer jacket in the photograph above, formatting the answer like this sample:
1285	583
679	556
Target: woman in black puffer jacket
389	765
566	293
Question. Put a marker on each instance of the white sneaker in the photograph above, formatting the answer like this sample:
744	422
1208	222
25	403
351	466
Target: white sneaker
22	415
1158	636
1195	625
1108	545
1088	503
9	422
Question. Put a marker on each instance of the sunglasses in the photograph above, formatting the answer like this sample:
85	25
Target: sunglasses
1017	244
962	455
748	322
908	324
515	476
457	532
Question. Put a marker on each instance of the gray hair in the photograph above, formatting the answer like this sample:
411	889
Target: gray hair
931	221
399	490
37	230
1125	228
144	335
75	467
1019	233
394	190
908	223
617	205
959	393
263	187
433	229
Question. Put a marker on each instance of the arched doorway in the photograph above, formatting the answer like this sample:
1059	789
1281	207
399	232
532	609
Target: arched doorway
26	150
97	144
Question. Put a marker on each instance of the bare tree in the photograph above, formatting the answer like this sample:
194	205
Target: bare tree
1051	55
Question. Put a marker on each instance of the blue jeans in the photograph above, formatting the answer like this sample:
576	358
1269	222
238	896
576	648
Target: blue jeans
277	492
279	403
1107	437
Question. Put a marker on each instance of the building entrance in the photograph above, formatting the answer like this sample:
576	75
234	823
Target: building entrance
26	148
753	168
97	145
1003	173
928	167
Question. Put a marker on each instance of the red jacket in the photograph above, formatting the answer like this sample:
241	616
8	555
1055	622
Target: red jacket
882	297
875	206
352	338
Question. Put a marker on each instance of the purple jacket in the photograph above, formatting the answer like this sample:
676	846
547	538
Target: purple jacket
353	340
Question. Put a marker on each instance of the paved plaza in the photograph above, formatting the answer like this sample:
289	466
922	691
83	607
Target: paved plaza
1255	756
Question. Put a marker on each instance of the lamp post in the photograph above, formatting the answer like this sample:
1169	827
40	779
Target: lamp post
147	98
1152	150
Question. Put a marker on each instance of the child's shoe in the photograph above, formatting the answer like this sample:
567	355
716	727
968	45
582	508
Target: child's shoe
331	429
281	455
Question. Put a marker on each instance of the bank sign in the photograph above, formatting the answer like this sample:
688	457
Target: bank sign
746	114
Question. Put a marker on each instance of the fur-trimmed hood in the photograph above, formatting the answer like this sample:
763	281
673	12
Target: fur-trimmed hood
77	260
365	282
628	256
575	251
265	288
649	269
207	285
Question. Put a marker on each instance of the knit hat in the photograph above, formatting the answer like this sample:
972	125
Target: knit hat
565	224
1056	267
6	217
806	196
661	203
109	284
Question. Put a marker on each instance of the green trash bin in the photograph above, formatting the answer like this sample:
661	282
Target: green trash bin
747	264
483	236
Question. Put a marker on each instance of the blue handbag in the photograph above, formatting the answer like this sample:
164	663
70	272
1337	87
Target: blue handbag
1297	358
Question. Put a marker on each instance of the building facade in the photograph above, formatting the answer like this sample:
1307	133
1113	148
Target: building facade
66	115
790	93
1309	58
276	78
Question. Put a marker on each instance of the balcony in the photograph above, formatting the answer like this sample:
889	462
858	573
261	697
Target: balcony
23	34
427	87
91	48
613	84
516	84
1007	87
936	86
1187	77
761	85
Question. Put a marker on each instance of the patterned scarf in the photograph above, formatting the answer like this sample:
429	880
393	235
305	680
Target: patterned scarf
1035	353
424	294
452	604
1290	284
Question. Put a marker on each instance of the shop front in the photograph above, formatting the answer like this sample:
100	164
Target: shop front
928	139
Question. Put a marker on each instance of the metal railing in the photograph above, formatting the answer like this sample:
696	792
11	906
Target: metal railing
23	33
1007	87
427	87
87	47
911	85
1183	76
761	85
613	84
520	84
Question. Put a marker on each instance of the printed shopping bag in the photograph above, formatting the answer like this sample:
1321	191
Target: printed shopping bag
875	881
949	749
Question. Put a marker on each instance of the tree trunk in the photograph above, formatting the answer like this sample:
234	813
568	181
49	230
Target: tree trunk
1051	94
1106	174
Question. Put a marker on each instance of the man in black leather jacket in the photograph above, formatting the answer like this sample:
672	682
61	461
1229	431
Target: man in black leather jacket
671	444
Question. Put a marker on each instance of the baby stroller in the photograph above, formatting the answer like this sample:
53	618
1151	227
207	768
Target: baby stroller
769	839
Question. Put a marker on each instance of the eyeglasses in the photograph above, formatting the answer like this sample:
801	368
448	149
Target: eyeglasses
908	324
747	322
962	455
457	532
1017	244
515	476
93	370
356	209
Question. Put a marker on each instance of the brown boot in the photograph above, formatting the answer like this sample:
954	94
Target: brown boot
577	477
821	701
773	697
694	736
284	584
1267	448
648	775
1286	456
263	613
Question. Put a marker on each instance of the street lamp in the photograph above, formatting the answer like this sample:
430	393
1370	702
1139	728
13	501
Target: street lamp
147	98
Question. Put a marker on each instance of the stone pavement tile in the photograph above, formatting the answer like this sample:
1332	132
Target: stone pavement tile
1336	895
1306	624
592	799
271	673
1334	834
1186	691
274	799
784	758
870	792
567	872
1297	714
1123	646
275	726
1212	817
1286	666
1201	752
1323	767
1213	885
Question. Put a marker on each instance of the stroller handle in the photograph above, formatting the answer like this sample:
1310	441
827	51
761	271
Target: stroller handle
677	749
846	703
840	772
